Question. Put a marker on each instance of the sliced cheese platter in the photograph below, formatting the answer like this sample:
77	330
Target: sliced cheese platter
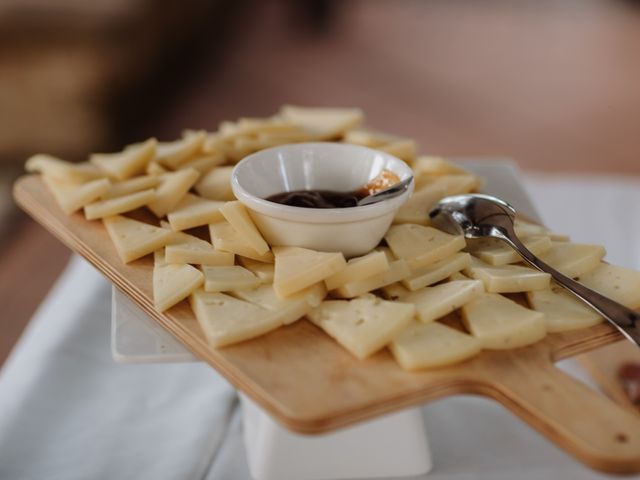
454	321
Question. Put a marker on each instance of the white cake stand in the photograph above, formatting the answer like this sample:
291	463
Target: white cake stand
394	445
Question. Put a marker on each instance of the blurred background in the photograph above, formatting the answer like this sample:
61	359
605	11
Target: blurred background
552	84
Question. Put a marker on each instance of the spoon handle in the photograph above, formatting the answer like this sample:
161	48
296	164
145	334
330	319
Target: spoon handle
625	319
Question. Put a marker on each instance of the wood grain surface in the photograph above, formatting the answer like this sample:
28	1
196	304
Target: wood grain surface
309	384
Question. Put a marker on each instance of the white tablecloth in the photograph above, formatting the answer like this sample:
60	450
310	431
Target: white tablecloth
68	411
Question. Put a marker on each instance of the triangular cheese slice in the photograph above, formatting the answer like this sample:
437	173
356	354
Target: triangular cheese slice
227	278
264	271
433	303
420	245
118	205
132	161
507	278
224	237
363	325
416	209
502	324
173	283
172	189
404	149
216	184
359	268
398	270
437	271
72	197
174	154
194	211
618	283
134	239
298	268
323	123
432	345
205	162
226	320
573	259
368	138
238	216
62	170
427	166
189	249
496	252
133	185
562	311
154	168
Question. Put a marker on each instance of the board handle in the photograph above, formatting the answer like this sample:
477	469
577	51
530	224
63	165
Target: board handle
590	426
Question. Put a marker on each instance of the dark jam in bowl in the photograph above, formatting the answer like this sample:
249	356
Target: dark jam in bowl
318	198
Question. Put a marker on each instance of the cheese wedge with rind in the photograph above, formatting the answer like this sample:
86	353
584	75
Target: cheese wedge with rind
228	278
174	154
359	268
226	320
237	215
62	170
131	161
562	311
437	271
132	185
194	211
264	271
298	268
398	270
497	252
118	205
172	283
172	189
432	345
133	239
420	245
573	259
290	309
225	238
72	197
435	302
216	184
363	325
502	324
186	248
618	283
507	278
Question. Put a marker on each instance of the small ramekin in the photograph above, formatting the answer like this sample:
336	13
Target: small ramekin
329	166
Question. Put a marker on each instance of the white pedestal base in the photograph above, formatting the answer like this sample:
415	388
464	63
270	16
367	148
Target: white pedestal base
391	446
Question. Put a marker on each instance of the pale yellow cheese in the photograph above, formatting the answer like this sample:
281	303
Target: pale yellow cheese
173	283
449	184
416	209
501	324
432	345
226	320
228	278
237	215
323	123
216	184
224	237
496	252
154	168
394	291
172	189
525	229
62	170
420	245
264	271
174	154
205	162
358	269
437	271
403	149
118	205
436	302
562	310
363	325
431	166
135	184
289	309
368	138
573	259
618	283
298	268
194	211
132	161
133	239
72	197
398	270
507	278
189	249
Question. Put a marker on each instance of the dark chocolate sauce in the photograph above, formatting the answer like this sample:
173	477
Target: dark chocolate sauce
318	198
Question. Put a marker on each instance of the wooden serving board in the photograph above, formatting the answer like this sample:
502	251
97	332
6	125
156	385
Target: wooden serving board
310	384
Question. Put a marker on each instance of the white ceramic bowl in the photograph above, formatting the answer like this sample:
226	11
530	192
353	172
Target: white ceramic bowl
329	166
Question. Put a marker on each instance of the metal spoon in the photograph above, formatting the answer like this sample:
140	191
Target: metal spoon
393	191
482	216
